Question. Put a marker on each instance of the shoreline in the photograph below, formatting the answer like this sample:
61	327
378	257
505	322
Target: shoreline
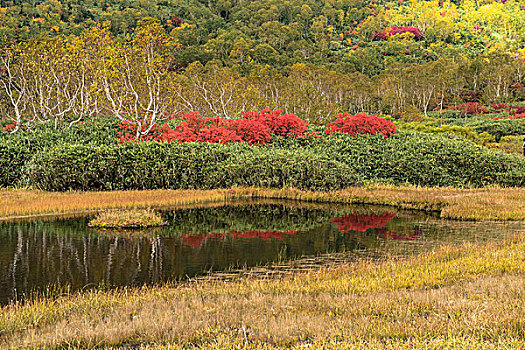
491	204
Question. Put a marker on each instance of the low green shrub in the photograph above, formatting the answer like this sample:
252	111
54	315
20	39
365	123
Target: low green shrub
329	163
509	144
16	150
153	165
87	157
97	130
422	159
464	131
501	127
13	158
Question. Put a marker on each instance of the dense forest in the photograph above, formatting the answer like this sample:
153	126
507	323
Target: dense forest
64	60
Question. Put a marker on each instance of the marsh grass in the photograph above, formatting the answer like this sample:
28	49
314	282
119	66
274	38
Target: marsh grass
19	204
452	203
503	204
127	219
468	296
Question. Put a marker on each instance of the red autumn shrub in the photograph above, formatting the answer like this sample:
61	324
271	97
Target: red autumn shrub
500	106
361	222
9	127
252	128
218	134
518	109
361	124
194	128
471	108
388	32
279	124
516	116
251	131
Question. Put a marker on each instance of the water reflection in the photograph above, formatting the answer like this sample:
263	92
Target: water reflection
34	255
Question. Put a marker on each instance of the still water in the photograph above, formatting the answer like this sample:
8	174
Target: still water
38	254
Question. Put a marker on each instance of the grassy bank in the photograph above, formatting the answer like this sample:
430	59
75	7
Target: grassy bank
453	298
32	203
452	203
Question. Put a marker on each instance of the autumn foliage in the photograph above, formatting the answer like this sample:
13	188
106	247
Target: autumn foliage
416	33
252	128
515	116
361	124
471	108
9	127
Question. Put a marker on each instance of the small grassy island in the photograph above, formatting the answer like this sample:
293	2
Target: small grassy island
127	219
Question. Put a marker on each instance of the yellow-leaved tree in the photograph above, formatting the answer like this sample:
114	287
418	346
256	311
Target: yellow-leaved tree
133	75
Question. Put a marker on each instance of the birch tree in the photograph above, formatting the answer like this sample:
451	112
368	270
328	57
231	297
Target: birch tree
134	74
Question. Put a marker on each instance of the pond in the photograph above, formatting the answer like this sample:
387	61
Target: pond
38	255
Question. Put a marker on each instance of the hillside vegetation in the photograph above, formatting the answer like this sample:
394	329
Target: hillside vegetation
64	60
165	94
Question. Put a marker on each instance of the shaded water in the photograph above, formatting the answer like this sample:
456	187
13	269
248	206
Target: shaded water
37	254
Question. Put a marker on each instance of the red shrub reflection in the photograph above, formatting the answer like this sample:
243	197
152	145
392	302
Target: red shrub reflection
361	222
375	222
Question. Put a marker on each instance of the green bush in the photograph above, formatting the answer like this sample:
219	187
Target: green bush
161	165
86	157
501	127
17	149
96	130
13	158
464	131
422	159
329	163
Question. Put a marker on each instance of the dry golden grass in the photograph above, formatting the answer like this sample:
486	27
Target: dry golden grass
468	297
453	203
127	218
24	203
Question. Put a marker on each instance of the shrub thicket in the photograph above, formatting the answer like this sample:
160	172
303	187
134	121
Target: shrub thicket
16	150
501	127
190	165
328	163
464	131
422	159
88	157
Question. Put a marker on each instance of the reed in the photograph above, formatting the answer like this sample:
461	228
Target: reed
460	297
